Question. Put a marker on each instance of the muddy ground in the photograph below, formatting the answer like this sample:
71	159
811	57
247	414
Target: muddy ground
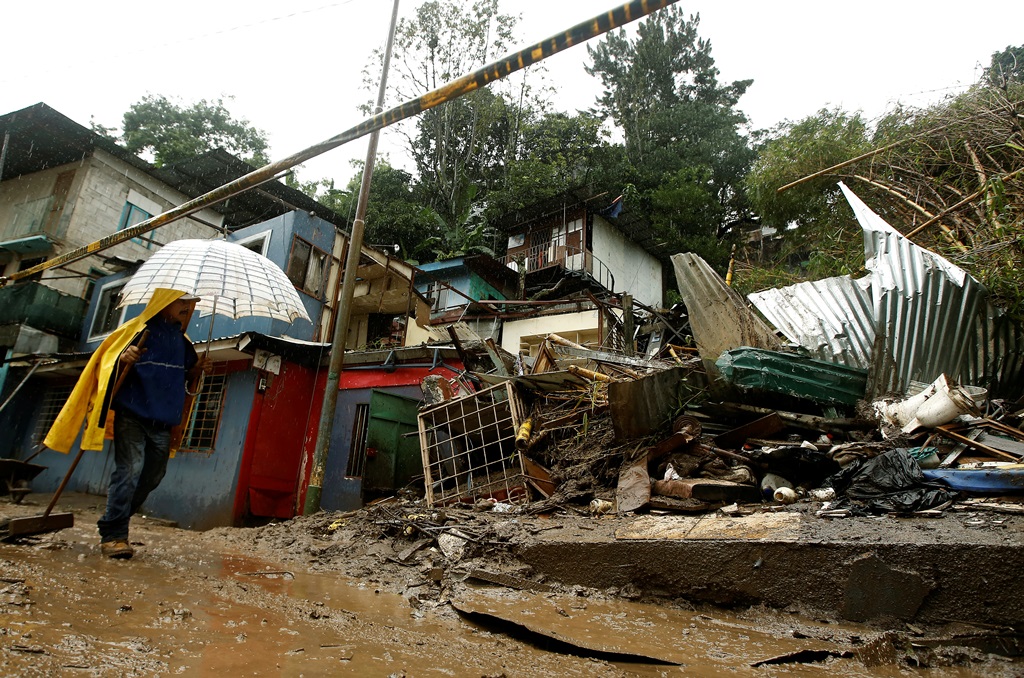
376	592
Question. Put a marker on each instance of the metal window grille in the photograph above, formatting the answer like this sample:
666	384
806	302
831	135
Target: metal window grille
53	401
357	450
201	435
468	448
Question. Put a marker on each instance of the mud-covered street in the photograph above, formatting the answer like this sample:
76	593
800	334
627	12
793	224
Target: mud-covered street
321	596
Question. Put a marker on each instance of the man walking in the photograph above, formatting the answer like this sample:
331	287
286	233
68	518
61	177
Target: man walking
138	376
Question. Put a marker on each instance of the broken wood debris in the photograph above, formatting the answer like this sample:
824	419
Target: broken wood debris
571	424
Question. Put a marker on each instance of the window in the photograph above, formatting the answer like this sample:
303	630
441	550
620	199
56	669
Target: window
357	450
53	401
443	297
201	434
257	243
132	215
108	315
306	267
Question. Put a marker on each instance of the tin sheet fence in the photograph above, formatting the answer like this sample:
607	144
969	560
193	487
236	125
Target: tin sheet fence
468	448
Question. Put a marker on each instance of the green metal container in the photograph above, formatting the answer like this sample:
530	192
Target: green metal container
42	307
793	375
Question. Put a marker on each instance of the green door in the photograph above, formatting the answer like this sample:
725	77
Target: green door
392	443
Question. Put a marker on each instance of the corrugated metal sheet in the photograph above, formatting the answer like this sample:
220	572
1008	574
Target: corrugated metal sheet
931	317
914	317
831	318
719	317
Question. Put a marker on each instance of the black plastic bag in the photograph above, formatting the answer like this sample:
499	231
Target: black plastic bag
892	481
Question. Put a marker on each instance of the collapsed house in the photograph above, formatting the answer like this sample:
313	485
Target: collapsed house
741	416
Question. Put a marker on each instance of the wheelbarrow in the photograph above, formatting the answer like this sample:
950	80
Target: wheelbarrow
16	476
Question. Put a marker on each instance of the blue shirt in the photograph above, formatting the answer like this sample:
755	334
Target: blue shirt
155	386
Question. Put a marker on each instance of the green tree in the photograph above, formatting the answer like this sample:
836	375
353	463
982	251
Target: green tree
1007	67
815	223
944	175
395	215
553	153
467	147
173	132
685	148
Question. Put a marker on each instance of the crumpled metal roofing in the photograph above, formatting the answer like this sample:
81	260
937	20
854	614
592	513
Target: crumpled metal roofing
719	318
832	318
914	317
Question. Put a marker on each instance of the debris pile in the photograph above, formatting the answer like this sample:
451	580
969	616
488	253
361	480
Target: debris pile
741	418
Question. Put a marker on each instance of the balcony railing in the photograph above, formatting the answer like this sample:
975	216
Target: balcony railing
569	258
36	218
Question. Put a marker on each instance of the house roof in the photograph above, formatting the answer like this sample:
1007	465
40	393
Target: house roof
490	270
41	137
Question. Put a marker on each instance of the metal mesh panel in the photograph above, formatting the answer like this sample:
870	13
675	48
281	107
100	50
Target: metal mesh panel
468	448
53	401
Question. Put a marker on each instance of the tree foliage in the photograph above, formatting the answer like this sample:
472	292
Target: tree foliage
1007	67
464	141
685	148
173	132
950	175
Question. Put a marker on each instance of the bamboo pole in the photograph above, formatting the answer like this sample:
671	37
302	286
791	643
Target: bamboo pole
972	196
862	156
602	23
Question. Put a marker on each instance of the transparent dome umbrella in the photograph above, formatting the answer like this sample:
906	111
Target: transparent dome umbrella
230	280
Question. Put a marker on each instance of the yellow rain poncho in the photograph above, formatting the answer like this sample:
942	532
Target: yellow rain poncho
90	400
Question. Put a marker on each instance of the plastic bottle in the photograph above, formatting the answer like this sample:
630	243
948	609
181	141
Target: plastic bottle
772	482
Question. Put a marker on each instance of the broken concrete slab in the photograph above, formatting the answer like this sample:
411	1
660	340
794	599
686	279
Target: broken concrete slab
875	590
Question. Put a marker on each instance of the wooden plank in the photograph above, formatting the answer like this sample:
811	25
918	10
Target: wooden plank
976	445
539	477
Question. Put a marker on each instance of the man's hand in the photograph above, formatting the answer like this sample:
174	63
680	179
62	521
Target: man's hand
131	355
204	365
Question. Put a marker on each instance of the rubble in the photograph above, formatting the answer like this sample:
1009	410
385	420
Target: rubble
737	419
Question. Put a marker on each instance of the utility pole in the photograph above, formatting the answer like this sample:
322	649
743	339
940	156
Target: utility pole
348	284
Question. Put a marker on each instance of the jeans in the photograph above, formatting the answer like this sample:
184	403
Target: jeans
141	450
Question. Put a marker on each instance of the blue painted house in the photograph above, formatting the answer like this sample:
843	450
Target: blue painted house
247	452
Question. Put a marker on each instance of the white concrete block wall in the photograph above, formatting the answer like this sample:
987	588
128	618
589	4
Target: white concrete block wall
94	208
526	334
636	272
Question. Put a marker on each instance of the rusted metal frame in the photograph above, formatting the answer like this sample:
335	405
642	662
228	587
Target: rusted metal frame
471	82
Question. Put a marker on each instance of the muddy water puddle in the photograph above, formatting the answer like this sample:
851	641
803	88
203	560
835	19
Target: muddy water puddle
175	609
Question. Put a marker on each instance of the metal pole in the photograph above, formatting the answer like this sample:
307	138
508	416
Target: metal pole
344	306
631	11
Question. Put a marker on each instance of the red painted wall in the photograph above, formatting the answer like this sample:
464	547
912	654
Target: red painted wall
401	376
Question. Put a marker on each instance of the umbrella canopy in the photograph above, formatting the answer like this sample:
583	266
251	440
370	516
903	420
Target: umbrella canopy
231	280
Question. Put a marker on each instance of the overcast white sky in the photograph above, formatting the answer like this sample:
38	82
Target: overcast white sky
294	68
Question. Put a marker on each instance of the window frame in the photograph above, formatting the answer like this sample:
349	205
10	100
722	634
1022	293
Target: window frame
301	279
210	381
126	221
262	238
107	287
